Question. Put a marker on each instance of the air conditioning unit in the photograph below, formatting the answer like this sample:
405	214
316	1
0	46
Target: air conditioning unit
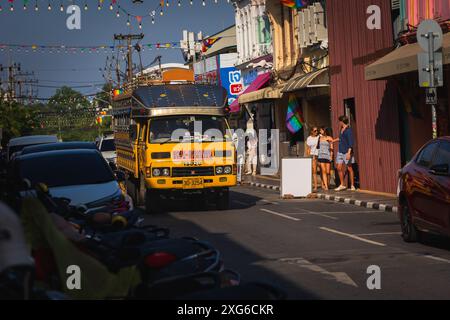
307	18
301	30
321	32
312	28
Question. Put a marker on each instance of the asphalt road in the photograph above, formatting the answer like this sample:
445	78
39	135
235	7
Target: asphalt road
316	249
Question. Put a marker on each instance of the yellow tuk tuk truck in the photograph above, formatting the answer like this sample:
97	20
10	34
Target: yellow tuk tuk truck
173	142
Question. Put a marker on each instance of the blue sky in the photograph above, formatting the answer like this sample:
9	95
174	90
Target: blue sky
97	28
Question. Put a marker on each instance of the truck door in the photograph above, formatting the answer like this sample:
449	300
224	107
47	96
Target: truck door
142	146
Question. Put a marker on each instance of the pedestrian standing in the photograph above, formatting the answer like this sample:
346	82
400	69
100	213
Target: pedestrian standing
345	157
311	150
325	155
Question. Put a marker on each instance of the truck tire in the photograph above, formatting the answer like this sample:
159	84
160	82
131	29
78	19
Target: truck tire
223	200
131	190
153	202
141	191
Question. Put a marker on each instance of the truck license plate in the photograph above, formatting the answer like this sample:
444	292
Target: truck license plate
193	183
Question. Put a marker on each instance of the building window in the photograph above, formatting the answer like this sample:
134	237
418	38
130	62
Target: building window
264	36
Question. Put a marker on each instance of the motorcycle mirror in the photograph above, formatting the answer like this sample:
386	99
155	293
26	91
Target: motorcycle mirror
26	184
82	208
42	187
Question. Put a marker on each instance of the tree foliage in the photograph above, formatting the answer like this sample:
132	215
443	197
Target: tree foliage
66	99
16	120
68	114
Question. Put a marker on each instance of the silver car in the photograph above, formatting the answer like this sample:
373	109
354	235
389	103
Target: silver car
81	175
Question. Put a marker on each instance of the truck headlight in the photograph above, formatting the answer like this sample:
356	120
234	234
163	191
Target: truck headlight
156	172
166	172
219	170
227	169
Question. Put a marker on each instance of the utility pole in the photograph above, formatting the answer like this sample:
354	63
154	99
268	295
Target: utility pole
128	38
22	80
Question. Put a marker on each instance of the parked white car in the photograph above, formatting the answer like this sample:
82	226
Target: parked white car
107	147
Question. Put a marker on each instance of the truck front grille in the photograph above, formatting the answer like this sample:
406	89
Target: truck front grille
192	171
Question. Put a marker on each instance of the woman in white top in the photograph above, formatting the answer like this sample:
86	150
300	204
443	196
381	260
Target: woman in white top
311	150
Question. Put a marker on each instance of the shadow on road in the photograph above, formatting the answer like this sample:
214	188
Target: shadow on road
435	241
237	256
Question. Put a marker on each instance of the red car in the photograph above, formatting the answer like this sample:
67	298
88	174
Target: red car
424	191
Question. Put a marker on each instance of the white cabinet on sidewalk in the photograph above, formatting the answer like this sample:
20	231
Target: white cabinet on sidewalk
296	177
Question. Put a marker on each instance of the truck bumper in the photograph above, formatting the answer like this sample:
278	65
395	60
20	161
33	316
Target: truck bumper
167	183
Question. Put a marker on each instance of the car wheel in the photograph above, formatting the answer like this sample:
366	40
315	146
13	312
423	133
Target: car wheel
223	200
153	203
409	230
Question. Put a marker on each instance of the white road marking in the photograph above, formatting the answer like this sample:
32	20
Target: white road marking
267	201
313	214
353	236
378	234
242	203
437	258
333	212
340	277
280	214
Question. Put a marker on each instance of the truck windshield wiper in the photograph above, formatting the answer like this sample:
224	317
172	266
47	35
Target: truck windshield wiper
165	141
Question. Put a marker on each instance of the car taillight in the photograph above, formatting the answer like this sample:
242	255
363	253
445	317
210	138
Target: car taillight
159	260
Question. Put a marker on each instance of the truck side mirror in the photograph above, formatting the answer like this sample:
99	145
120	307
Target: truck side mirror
133	131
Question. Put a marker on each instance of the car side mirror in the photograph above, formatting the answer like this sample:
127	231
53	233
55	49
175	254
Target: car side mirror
113	166
440	169
120	175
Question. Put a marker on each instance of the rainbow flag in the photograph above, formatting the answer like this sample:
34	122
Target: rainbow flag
117	92
294	3
294	117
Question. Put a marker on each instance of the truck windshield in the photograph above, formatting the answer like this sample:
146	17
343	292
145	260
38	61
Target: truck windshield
185	128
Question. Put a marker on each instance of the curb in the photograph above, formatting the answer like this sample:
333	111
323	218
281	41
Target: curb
360	203
365	204
262	185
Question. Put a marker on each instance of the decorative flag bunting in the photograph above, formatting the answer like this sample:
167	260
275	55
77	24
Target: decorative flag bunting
294	117
294	4
81	49
207	43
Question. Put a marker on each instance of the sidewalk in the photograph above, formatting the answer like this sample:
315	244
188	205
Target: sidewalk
372	200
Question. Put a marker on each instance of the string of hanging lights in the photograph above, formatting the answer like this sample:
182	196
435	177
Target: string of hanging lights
113	4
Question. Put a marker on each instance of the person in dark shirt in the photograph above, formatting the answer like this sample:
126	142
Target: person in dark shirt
345	157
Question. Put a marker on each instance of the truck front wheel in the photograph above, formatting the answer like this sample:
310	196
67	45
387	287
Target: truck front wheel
223	200
153	202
